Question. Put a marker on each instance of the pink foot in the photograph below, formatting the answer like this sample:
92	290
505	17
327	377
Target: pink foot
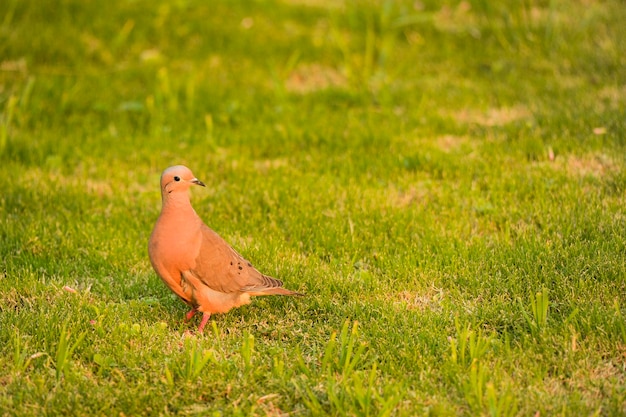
190	314
205	318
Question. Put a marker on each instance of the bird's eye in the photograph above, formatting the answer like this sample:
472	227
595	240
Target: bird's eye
177	178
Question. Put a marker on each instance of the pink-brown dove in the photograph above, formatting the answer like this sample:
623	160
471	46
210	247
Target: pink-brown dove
194	261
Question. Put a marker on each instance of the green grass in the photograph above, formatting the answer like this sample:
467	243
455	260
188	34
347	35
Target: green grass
445	180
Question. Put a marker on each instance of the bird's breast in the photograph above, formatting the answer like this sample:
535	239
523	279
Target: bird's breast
175	244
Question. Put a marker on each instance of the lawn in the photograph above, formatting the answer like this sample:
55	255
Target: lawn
445	180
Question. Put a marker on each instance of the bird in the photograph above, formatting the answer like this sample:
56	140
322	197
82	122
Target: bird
198	265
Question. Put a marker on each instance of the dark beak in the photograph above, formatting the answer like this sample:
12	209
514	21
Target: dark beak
198	182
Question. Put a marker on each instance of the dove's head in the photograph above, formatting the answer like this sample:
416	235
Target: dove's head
177	179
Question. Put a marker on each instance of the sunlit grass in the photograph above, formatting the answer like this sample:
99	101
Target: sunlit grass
444	180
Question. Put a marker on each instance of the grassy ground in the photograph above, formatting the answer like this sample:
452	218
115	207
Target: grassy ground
445	180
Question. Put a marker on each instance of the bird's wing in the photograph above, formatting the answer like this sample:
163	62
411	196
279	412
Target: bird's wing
222	269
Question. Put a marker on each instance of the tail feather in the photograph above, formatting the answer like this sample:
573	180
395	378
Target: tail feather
269	286
277	291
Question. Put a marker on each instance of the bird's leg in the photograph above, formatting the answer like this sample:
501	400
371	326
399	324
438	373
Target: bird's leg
205	318
190	314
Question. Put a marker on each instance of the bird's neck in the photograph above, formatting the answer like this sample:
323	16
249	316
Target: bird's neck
177	204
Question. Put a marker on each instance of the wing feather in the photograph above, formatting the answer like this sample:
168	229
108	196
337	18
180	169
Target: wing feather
222	269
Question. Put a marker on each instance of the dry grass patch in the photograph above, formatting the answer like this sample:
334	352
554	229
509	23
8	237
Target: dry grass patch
415	194
326	4
18	65
457	19
593	383
613	96
448	143
53	181
595	165
266	165
494	116
314	77
429	299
